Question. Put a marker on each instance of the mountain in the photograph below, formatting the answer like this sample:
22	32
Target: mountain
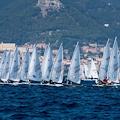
56	21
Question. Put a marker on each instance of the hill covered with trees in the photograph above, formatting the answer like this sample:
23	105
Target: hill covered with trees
21	21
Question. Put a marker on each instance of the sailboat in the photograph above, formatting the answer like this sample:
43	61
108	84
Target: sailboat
34	71
2	63
119	69
82	74
105	62
113	64
24	68
14	69
44	58
56	74
6	68
74	70
86	70
92	71
47	63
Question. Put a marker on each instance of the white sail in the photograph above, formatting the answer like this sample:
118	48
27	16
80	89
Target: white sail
6	67
74	70
24	67
105	62
119	68
56	74
2	62
82	74
15	67
44	58
86	70
34	72
92	72
113	64
47	63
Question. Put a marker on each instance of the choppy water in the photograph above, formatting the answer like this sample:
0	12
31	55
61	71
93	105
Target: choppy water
27	102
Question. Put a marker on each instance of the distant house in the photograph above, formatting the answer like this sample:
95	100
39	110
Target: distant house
8	46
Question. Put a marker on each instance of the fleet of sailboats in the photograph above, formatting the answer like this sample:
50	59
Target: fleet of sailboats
31	71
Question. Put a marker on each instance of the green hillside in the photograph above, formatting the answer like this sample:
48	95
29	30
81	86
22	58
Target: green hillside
80	20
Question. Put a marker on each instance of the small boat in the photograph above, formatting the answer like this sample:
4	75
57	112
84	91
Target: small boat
82	74
56	75
6	68
24	68
34	70
47	64
14	69
119	69
86	70
74	70
113	64
2	62
92	71
104	63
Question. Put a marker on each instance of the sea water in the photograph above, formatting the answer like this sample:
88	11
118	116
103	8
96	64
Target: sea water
27	102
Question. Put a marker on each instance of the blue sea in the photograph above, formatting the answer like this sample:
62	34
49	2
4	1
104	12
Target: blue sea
85	102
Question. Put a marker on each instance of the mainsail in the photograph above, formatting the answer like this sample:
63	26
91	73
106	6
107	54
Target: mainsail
24	67
92	72
119	68
6	67
113	64
86	70
74	71
15	67
47	63
34	72
2	62
56	74
105	62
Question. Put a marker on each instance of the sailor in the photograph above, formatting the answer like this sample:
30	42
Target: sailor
91	77
44	82
65	80
29	81
105	80
51	82
69	82
10	81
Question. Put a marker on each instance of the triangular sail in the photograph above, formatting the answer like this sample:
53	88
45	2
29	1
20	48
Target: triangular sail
2	62
92	73
119	68
86	70
15	67
82	74
34	72
74	71
57	69
24	67
44	58
113	64
105	62
6	67
47	63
